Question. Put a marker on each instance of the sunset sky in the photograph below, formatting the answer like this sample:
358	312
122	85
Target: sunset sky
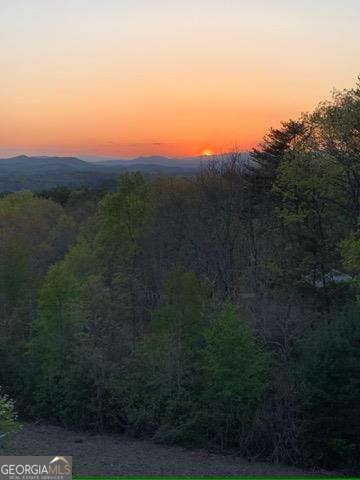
123	78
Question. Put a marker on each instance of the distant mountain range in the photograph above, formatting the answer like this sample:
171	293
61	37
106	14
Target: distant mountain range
32	165
151	160
42	172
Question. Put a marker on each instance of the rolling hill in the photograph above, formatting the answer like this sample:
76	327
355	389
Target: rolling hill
39	173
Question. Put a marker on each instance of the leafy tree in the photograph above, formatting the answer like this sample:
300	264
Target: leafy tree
179	322
236	371
336	134
55	340
29	231
125	217
167	370
306	186
329	391
124	213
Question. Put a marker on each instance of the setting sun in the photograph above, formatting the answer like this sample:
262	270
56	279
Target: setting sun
207	152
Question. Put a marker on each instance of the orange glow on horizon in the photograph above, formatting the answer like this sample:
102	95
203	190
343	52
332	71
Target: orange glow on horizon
128	79
207	152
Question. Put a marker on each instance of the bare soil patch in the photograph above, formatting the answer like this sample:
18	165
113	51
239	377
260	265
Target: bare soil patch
121	455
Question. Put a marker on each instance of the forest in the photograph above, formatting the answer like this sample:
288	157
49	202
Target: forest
219	310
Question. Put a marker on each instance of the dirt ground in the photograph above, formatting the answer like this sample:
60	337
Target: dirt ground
122	456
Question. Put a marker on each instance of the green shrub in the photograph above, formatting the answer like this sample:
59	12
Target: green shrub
329	391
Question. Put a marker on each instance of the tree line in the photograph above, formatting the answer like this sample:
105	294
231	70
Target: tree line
220	310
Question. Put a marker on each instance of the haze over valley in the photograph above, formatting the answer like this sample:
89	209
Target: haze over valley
44	172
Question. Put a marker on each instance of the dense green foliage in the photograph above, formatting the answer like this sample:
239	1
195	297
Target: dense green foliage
329	381
220	310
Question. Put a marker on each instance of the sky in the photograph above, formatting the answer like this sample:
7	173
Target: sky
123	78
